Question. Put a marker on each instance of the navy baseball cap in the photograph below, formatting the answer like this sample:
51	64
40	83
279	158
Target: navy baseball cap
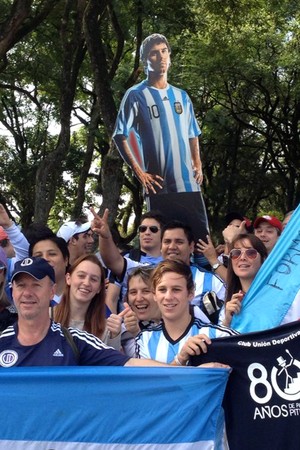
38	268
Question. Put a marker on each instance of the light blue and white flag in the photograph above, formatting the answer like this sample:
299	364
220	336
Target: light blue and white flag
102	408
276	284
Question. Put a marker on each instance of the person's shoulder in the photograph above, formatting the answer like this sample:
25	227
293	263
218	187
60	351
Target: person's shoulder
150	325
219	328
147	331
136	88
203	273
131	263
8	332
86	338
176	88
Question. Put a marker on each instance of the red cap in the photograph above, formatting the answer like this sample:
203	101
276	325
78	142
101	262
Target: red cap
271	220
3	234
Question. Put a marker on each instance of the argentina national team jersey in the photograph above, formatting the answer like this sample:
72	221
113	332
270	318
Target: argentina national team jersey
163	121
157	344
55	350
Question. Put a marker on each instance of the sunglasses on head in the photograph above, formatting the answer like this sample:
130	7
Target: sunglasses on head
236	253
152	228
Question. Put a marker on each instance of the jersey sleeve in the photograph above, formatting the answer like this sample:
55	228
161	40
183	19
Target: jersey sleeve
194	129
93	352
141	346
126	115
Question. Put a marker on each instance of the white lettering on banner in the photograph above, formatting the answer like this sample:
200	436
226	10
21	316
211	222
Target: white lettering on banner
270	412
284	380
270	343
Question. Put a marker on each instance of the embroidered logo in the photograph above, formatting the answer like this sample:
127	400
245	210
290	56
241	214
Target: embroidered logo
26	262
8	358
178	107
58	353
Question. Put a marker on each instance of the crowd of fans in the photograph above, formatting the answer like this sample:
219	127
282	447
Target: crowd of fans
154	302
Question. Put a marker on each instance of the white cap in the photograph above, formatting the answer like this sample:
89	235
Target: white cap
68	229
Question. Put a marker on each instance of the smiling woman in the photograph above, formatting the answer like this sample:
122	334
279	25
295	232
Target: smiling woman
83	302
245	260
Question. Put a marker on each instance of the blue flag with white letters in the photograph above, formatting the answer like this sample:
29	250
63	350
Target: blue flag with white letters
276	284
104	408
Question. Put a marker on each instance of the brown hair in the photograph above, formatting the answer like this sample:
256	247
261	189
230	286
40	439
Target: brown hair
95	320
233	281
176	266
144	272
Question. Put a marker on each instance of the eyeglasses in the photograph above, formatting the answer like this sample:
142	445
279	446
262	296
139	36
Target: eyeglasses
144	270
4	242
152	228
236	253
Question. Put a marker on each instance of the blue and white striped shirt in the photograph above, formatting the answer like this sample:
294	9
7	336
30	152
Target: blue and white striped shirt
163	121
157	344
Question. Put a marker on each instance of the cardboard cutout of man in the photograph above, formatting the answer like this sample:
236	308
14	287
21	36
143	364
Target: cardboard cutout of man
157	135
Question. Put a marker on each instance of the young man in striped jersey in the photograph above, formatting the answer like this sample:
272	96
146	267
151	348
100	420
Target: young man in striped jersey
180	334
157	135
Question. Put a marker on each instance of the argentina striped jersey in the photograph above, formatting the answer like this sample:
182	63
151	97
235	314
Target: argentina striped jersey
157	344
158	124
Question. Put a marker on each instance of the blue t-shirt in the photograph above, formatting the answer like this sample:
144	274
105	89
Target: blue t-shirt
55	350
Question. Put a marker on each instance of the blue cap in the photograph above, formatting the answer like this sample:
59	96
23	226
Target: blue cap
38	268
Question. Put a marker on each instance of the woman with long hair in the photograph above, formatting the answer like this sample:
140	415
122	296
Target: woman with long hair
83	302
245	259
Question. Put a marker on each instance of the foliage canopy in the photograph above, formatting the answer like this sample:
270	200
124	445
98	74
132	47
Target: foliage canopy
65	66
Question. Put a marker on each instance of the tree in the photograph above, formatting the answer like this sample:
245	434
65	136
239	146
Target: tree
69	60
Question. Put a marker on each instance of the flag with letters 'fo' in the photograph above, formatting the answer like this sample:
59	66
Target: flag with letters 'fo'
275	286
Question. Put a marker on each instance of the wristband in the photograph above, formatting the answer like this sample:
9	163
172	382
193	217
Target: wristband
178	363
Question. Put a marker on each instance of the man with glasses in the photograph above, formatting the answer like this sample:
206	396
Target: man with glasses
149	252
79	237
150	237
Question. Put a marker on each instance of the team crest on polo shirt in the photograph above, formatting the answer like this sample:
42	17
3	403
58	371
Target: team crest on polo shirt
8	358
26	262
178	107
